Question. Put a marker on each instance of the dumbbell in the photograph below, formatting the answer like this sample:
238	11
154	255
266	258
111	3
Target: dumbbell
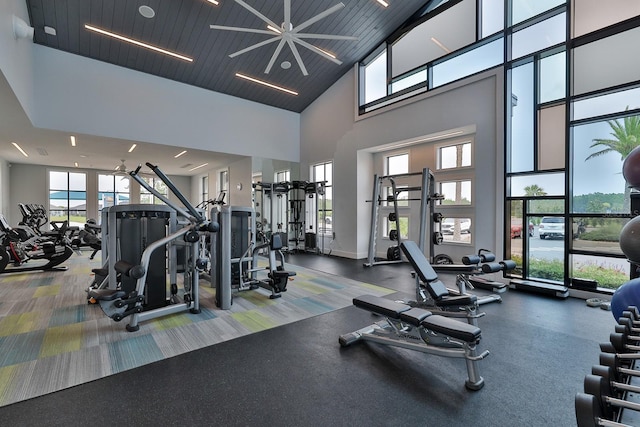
620	363
606	391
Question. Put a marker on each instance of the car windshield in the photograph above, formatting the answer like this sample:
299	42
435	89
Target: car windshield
554	220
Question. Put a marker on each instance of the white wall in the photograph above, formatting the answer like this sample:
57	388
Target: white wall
329	131
131	105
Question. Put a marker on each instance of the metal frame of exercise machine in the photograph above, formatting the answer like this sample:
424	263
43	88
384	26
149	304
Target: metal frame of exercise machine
420	330
427	212
119	303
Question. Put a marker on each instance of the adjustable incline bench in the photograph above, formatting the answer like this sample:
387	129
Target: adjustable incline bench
420	330
432	294
468	274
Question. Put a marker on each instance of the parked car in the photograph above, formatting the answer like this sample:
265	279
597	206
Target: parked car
447	225
551	226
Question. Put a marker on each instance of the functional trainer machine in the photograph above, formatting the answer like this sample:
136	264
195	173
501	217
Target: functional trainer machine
138	286
420	330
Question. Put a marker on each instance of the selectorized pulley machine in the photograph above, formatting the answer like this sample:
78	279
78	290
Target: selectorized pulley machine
142	242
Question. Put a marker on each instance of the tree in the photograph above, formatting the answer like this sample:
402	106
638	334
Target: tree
534	190
625	137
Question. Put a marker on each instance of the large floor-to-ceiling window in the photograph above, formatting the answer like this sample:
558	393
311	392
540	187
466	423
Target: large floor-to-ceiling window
571	105
67	197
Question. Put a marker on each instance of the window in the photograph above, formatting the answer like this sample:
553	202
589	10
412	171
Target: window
282	176
454	156
68	197
609	103
223	181
601	147
476	60
552	77
204	184
324	172
539	36
456	193
492	17
112	190
375	78
525	9
521	108
157	184
434	38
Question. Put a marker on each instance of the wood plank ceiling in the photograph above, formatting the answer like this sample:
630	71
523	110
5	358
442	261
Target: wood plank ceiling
182	26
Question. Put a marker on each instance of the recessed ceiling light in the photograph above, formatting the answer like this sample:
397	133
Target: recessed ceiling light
75	164
384	3
213	2
73	140
50	30
179	154
15	144
285	65
137	43
198	167
242	76
146	11
133	147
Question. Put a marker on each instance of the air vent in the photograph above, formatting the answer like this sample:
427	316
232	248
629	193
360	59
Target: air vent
42	151
186	165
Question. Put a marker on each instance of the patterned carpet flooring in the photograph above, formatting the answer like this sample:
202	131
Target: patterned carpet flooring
51	339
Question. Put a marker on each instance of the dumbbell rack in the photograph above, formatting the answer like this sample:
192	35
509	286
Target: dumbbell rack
611	394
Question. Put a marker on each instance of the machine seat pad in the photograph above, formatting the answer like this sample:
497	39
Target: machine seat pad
414	316
452	327
107	294
380	306
282	273
452	300
100	271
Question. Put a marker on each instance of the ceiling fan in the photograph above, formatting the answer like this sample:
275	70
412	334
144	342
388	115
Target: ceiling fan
121	169
287	34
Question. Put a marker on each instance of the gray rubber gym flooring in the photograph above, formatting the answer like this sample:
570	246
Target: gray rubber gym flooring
297	375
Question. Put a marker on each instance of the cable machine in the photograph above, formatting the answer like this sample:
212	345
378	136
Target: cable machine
273	211
428	217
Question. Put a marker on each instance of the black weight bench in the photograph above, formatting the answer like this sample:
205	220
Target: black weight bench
432	294
418	317
420	330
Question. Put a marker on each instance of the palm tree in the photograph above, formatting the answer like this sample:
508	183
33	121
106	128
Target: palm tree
534	190
625	137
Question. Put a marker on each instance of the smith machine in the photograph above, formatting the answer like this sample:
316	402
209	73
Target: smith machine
429	219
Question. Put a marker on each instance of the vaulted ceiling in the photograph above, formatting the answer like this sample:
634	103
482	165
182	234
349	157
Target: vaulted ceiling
184	27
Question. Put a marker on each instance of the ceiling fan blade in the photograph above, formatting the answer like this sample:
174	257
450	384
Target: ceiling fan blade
258	14
294	49
287	13
255	46
274	56
318	17
326	36
240	29
317	50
